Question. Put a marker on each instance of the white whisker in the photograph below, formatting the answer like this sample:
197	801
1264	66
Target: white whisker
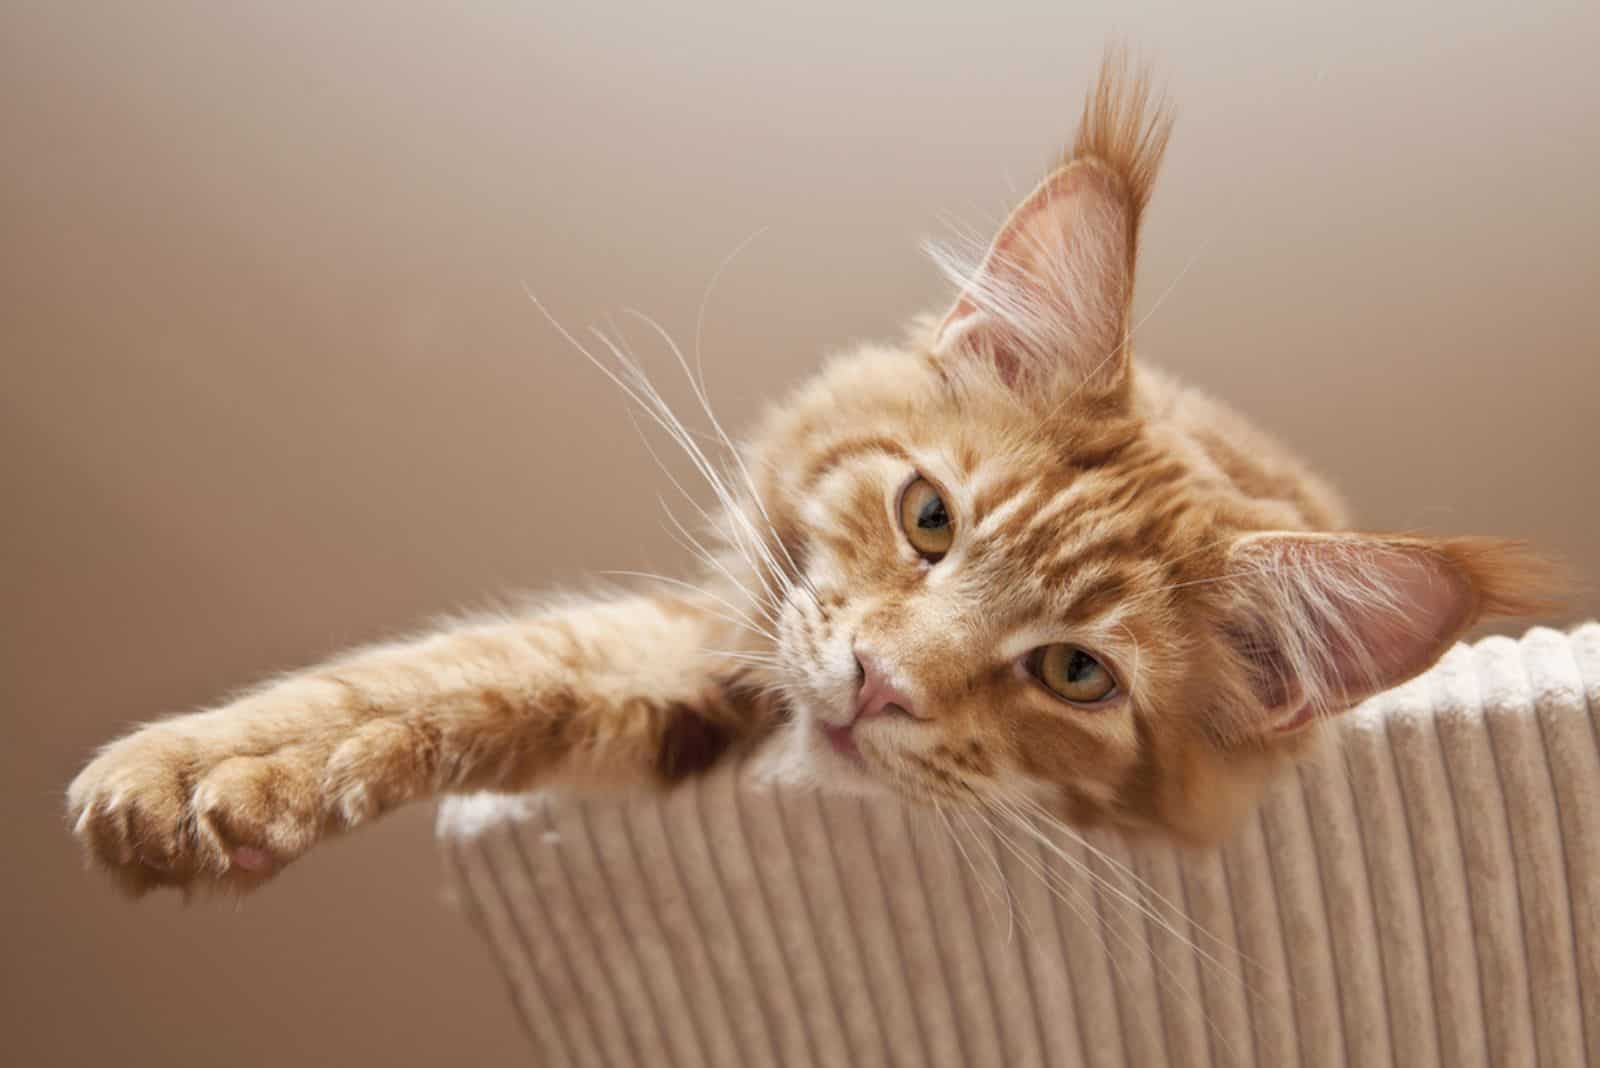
1032	806
961	812
1163	973
734	451
738	619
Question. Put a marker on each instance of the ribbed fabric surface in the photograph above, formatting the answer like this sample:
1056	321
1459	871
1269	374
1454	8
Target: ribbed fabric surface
1426	892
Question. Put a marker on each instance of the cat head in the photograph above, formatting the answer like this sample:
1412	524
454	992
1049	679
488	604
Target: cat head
1014	566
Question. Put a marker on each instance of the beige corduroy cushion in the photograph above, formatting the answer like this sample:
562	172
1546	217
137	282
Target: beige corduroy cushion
1426	892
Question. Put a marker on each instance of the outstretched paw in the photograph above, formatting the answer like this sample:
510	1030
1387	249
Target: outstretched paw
163	808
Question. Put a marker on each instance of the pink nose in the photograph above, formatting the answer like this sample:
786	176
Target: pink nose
877	695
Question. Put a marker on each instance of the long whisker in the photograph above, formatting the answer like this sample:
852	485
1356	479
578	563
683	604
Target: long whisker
1143	907
1067	893
649	400
705	299
758	659
693	544
1164	973
994	862
699	381
767	609
734	451
977	876
738	619
746	538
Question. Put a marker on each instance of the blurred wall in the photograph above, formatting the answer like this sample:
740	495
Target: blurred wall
270	384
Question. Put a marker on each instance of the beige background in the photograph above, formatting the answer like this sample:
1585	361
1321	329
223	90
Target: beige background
271	386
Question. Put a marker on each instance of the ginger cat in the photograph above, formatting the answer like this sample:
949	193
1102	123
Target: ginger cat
994	560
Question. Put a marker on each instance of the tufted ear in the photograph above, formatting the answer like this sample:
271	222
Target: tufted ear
1051	294
1323	621
1048	302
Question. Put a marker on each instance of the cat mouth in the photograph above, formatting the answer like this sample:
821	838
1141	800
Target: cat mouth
841	739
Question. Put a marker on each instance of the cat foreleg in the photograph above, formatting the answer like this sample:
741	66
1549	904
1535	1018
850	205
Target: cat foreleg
605	693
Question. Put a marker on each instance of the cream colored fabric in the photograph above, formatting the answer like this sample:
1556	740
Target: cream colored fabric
1427	892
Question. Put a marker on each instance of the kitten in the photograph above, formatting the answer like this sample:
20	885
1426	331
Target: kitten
994	563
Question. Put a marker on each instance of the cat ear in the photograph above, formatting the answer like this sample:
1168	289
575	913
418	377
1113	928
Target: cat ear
1051	294
1049	301
1323	621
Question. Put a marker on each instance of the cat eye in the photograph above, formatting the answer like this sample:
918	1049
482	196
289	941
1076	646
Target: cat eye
925	520
1072	674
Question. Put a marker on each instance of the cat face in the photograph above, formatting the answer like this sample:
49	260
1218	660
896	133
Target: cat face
1013	565
982	616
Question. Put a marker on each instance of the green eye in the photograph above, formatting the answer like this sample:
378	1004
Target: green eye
1072	674
925	520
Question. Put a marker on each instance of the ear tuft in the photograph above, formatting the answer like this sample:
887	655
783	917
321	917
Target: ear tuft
1323	621
1510	579
1126	127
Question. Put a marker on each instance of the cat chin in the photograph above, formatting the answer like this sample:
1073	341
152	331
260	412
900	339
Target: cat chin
797	757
